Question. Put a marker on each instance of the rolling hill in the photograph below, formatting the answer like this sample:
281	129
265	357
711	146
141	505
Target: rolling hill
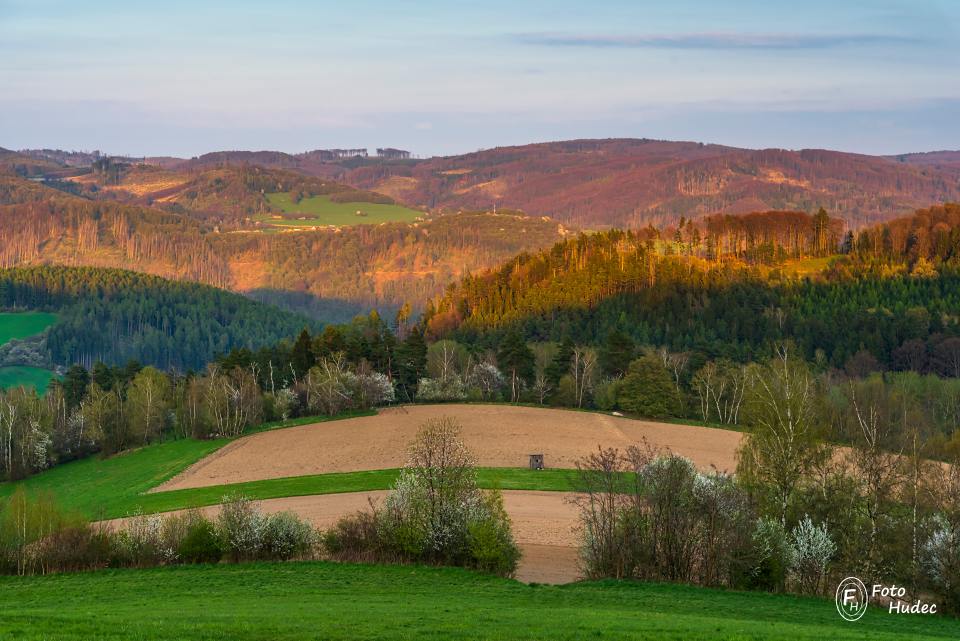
630	183
617	182
204	229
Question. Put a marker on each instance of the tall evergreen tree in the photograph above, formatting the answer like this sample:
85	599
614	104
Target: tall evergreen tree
74	385
411	363
617	353
560	364
517	360
301	357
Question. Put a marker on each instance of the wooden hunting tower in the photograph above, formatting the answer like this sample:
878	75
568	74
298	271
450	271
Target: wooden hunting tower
536	461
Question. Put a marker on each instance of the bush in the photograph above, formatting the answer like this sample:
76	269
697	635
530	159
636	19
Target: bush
772	557
941	560
492	548
286	536
241	527
435	513
812	550
656	517
605	394
648	389
201	543
354	538
434	389
142	543
72	549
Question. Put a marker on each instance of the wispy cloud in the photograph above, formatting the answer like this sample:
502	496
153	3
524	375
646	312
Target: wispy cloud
710	40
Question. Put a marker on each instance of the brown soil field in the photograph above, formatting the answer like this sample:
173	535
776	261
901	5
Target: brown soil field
544	525
498	435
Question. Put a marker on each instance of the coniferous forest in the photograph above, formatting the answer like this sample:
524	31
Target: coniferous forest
115	316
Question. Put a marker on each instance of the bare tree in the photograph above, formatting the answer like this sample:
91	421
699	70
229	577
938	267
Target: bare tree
879	467
583	369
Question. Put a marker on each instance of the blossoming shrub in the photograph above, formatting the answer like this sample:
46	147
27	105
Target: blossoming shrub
435	513
941	561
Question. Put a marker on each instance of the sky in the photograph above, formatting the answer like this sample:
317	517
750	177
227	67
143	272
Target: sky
439	78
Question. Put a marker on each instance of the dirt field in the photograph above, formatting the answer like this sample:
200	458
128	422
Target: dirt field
544	526
499	436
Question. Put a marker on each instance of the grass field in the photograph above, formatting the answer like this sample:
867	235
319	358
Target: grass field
315	600
321	211
117	486
103	488
23	324
34	377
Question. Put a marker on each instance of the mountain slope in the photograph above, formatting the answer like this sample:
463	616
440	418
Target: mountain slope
334	273
630	183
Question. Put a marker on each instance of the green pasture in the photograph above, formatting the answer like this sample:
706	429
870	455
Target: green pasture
319	211
318	600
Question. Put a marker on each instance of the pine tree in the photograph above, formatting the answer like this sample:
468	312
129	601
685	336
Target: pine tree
301	357
411	363
617	353
561	361
516	359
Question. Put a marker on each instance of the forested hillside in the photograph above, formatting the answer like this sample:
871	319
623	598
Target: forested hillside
632	183
333	273
890	302
115	316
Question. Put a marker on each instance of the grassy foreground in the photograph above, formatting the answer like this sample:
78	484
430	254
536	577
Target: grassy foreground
315	600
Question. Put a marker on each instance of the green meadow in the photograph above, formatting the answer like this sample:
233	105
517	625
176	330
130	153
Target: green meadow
23	324
19	325
34	377
317	600
117	486
320	211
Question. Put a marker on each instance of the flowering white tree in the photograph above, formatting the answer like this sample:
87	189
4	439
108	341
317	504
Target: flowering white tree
330	386
372	389
433	389
487	378
812	550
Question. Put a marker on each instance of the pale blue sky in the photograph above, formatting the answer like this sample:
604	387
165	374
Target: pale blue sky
182	78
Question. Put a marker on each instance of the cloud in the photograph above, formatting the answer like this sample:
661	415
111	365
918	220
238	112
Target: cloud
709	40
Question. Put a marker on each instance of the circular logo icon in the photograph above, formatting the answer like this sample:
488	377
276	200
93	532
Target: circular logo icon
852	598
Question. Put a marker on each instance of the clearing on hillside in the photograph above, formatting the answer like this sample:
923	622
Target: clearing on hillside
320	211
23	324
17	376
15	326
498	435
